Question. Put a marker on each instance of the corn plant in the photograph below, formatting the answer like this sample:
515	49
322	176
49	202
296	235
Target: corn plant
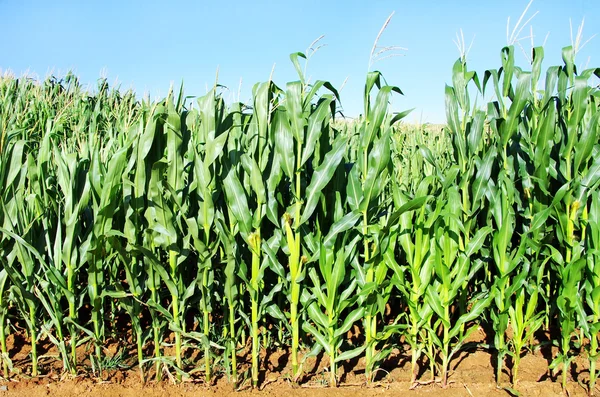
472	156
246	194
231	291
331	308
453	266
23	259
279	220
167	194
520	270
366	188
7	177
53	286
301	134
578	173
22	279
536	169
507	257
71	178
207	145
232	257
132	293
140	275
414	235
104	183
591	320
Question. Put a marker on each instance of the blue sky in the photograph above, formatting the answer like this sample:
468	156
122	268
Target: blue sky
149	44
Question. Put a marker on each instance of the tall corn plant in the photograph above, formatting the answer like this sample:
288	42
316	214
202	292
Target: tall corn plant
522	123
166	214
54	286
20	239
132	290
11	175
332	242
454	267
476	155
209	131
105	200
459	240
367	184
519	268
73	182
138	265
226	224
413	234
576	167
308	159
248	203
507	251
535	168
591	318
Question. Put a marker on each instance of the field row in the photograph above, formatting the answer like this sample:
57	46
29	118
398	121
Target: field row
277	223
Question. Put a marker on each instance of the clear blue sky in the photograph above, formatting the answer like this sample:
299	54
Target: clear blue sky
149	44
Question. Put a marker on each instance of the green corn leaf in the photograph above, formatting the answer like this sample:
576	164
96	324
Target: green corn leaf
214	148
314	130
295	61
236	197
435	302
484	170
321	340
294	106
477	241
321	177
349	321
354	192
378	160
284	142
256	179
348	221
349	354
411	205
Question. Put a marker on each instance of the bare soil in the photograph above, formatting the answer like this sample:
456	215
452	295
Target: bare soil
472	374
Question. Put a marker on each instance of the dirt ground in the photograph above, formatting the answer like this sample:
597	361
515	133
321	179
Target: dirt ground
472	374
476	382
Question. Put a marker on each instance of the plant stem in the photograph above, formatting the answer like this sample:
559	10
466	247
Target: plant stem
368	317
155	324
73	316
415	353
431	359
255	287
3	345
446	350
295	329
233	344
332	366
295	265
34	358
207	374
515	368
175	298
140	354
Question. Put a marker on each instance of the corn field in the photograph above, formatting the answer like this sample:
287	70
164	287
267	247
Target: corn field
190	225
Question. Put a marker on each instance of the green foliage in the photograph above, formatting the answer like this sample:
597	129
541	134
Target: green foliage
216	226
